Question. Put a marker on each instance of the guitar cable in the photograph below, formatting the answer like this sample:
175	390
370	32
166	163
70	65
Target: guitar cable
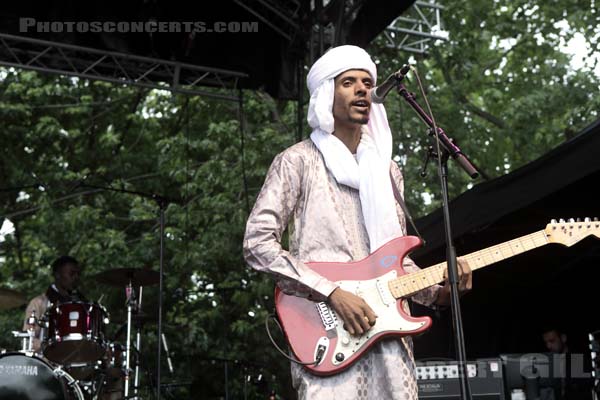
320	351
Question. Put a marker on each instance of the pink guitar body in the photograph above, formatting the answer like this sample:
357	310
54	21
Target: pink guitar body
313	328
316	336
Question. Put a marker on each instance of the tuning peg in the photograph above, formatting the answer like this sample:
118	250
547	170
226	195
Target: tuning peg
587	219
595	219
571	220
553	221
562	221
578	220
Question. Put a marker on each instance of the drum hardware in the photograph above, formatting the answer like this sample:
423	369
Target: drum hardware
26	341
113	363
134	314
76	350
81	359
138	346
131	278
80	327
71	383
83	371
27	337
166	348
131	301
99	389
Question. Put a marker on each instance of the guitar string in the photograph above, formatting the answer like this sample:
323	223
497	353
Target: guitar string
411	283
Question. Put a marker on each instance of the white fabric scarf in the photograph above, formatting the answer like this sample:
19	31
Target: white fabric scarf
369	171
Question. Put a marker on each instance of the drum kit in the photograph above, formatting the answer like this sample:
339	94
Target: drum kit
76	360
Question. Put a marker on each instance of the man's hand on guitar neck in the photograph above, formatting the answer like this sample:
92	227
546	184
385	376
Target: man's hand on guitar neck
358	317
465	283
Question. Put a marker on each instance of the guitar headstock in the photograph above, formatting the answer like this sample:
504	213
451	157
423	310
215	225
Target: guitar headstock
571	231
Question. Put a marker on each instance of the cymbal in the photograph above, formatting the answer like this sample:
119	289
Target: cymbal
11	298
123	276
140	317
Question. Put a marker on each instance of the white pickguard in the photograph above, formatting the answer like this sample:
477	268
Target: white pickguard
377	295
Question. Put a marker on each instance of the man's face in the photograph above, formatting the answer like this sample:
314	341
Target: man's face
555	342
351	103
67	277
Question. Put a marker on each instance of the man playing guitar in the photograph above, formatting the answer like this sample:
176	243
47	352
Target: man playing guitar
334	195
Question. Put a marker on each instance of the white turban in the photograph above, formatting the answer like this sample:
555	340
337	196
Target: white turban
369	171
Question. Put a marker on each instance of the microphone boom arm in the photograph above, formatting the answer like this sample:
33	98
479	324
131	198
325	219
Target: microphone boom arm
448	145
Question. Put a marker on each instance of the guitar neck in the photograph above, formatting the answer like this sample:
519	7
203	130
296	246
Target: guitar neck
409	284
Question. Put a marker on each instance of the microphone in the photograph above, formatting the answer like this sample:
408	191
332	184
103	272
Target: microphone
378	93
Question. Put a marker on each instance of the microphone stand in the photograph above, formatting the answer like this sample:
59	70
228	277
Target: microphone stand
448	149
162	203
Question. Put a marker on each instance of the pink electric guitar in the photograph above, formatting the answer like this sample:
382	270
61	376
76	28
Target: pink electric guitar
314	332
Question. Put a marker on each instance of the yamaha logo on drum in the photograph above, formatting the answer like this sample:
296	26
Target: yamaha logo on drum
18	370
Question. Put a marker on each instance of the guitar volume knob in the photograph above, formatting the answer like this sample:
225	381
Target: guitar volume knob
340	357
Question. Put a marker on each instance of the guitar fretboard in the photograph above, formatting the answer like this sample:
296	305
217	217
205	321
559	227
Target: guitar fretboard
409	284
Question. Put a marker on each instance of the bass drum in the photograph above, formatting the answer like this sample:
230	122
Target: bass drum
24	377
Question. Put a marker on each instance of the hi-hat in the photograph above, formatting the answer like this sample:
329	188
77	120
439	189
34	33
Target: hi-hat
11	298
123	276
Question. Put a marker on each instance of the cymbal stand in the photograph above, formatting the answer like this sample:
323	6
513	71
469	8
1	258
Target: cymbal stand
162	203
28	336
130	294
26	340
32	321
98	389
138	346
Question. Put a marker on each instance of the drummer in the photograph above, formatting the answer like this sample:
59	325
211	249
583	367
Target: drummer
66	271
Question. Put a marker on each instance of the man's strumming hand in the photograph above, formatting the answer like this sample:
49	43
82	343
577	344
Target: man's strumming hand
358	317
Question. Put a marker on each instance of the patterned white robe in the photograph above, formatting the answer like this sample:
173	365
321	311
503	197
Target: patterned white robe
325	223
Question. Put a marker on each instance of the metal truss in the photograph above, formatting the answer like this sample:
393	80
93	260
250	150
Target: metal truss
416	28
282	16
325	34
89	63
326	28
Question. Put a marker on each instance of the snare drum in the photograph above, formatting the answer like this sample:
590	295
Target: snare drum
75	332
26	377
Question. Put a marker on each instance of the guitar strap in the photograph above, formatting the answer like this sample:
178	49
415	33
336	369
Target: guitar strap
400	201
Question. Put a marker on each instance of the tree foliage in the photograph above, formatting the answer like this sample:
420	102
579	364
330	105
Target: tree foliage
500	86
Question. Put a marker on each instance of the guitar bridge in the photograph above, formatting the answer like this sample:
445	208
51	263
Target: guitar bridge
327	316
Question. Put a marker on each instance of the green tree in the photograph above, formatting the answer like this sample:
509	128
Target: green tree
500	86
65	136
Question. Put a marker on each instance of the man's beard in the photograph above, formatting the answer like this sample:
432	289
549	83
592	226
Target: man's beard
363	120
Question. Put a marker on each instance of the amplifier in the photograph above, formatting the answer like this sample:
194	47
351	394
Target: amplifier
439	379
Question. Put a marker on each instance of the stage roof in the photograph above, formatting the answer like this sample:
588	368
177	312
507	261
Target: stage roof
513	300
267	58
